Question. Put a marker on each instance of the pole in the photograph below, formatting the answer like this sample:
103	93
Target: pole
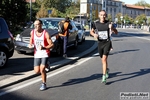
80	18
30	9
90	15
102	5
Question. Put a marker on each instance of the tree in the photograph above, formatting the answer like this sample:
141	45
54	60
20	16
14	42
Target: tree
54	13
14	12
42	12
57	4
128	19
141	19
54	5
142	3
118	17
73	10
109	17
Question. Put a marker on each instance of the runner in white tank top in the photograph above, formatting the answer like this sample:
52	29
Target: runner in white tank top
40	41
42	44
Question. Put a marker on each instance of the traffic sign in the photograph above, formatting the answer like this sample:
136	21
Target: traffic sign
49	11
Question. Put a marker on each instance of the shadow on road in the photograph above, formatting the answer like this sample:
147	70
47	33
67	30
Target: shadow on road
131	75
83	80
117	52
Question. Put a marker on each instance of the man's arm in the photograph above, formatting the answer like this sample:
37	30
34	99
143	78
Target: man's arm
92	32
114	30
50	43
31	40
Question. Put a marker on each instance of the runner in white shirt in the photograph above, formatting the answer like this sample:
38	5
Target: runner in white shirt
42	42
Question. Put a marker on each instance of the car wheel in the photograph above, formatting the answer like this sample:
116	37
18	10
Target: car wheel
80	42
11	53
3	58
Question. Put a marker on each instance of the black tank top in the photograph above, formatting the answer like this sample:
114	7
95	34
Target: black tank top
103	29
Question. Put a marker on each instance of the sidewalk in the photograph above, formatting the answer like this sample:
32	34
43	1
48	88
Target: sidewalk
30	74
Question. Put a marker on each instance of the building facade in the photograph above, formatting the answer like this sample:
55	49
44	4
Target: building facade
134	11
112	7
90	6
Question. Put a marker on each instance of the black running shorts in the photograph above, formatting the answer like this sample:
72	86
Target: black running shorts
39	61
104	47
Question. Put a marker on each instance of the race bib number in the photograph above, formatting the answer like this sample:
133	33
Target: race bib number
38	43
103	35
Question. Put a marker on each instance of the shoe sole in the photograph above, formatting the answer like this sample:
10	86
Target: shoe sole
42	89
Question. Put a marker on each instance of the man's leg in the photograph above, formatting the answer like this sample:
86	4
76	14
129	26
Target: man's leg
65	46
104	63
37	65
43	73
104	66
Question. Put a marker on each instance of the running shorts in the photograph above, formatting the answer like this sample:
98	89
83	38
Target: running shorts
104	47
39	61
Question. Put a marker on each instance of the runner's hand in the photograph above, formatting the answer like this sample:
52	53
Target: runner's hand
40	47
95	35
30	46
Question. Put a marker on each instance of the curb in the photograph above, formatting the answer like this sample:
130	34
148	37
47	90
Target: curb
30	74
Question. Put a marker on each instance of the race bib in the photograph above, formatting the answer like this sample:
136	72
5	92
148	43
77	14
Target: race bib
102	35
38	43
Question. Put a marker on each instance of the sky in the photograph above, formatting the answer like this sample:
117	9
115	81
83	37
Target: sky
134	1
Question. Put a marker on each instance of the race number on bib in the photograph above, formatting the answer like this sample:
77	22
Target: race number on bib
103	35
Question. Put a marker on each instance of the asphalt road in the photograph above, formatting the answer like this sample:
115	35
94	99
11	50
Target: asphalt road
81	79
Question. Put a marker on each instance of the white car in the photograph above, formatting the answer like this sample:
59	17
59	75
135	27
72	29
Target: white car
81	32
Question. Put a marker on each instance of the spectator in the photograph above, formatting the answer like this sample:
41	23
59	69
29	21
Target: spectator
65	36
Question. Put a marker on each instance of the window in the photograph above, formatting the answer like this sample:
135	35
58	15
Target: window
104	4
135	12
94	7
114	9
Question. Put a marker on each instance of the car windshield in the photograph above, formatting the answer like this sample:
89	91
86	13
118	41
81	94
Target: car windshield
79	27
49	24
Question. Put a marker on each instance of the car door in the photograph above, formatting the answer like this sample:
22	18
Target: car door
72	33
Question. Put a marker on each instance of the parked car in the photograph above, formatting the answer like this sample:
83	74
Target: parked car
6	43
81	32
50	25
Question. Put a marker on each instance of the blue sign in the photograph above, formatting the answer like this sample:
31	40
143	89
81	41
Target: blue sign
49	11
